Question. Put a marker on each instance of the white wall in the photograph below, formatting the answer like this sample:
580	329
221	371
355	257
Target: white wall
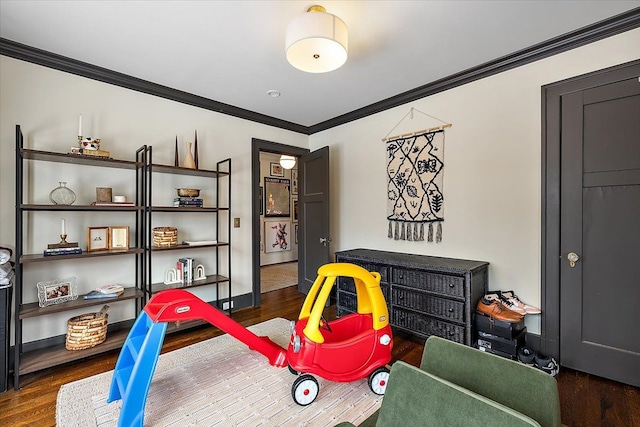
46	103
268	258
492	178
492	174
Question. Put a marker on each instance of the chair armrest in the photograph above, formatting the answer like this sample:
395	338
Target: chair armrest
413	394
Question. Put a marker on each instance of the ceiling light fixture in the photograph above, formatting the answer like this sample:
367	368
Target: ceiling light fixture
317	41
273	93
287	161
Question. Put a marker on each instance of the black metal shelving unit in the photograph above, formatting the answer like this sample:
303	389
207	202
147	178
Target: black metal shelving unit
31	361
222	219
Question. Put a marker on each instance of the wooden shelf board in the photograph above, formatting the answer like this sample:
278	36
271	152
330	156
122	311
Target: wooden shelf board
186	209
34	310
183	246
38	207
186	171
210	280
40	257
57	355
78	159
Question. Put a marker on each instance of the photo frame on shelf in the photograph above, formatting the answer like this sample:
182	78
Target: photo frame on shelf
119	238
294	181
276	170
277	236
97	239
294	210
57	291
276	193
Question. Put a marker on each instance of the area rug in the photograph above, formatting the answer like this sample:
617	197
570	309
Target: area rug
220	382
278	276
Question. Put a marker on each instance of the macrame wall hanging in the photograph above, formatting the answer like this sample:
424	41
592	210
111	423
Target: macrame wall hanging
415	168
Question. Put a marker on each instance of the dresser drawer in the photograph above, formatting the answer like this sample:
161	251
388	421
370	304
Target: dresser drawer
429	304
433	282
427	325
347	301
346	284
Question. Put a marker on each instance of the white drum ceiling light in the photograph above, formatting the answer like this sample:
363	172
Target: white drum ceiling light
317	41
287	161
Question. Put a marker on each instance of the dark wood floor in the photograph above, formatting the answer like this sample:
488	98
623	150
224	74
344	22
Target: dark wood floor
586	400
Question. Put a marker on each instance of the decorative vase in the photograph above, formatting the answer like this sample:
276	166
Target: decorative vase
175	160
195	150
188	161
62	195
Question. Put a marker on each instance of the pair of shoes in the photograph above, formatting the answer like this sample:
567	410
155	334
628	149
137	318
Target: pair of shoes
514	303
538	360
546	364
492	306
526	356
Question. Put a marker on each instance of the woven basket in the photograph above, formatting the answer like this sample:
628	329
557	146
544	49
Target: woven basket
87	330
165	236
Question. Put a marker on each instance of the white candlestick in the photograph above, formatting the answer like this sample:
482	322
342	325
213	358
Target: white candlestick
80	126
64	229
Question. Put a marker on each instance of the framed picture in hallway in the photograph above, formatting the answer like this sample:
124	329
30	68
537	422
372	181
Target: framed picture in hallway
276	194
277	236
294	181
276	170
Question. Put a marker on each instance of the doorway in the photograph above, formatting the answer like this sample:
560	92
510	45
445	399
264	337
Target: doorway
591	235
258	199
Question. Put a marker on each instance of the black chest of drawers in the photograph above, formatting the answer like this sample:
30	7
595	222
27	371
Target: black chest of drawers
425	295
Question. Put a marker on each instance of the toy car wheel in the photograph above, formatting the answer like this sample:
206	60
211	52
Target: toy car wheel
378	380
305	390
293	371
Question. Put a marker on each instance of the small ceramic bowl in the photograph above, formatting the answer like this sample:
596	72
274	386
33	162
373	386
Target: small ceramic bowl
188	192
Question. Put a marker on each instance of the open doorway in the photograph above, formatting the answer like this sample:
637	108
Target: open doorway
278	223
262	222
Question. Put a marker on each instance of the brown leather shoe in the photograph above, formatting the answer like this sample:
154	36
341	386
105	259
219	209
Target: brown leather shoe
490	305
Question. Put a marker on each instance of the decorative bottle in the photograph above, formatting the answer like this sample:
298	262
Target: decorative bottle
62	195
188	161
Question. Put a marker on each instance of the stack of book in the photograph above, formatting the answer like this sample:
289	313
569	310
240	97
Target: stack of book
113	204
188	202
94	153
185	267
62	251
106	291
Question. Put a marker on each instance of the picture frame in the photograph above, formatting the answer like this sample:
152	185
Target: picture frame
277	199
277	236
296	234
97	239
276	169
57	291
261	200
119	238
294	181
294	210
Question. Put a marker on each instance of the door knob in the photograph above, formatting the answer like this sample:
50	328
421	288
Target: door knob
573	258
324	241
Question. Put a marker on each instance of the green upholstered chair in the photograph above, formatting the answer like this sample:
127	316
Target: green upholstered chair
458	385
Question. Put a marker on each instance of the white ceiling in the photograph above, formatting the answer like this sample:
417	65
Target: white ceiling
233	51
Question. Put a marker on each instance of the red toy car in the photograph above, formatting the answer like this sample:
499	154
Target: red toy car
346	349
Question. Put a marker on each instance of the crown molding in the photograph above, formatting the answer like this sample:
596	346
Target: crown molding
62	63
589	34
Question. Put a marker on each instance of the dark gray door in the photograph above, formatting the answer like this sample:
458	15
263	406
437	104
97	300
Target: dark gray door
313	227
600	224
